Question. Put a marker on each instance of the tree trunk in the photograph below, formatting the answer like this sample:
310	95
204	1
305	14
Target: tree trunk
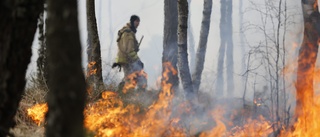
202	47
94	70
183	63
66	99
242	44
170	38
191	44
307	56
17	28
229	52
226	49
220	80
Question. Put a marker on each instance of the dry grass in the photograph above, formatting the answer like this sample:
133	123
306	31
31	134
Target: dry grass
34	93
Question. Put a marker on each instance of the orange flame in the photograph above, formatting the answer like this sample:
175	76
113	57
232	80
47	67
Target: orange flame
109	116
220	129
131	81
90	70
38	112
308	122
254	128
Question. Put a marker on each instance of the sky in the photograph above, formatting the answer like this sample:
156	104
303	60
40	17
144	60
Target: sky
112	15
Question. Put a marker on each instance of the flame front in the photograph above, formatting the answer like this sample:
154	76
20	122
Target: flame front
110	116
307	123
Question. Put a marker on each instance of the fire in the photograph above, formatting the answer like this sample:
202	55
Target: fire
256	128
131	80
38	112
110	116
257	101
220	129
90	70
308	122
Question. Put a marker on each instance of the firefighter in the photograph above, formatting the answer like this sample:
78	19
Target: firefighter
127	57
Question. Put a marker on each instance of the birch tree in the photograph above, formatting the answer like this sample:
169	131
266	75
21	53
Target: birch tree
170	37
94	70
202	47
66	99
183	63
18	25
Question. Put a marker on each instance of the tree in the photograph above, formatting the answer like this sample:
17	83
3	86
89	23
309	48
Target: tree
229	52
170	37
307	55
242	44
270	57
191	41
202	47
17	28
66	99
183	64
94	70
226	47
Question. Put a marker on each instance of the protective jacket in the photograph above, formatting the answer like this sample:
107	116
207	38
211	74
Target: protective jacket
127	46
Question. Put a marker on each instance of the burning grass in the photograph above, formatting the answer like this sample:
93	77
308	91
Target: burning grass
26	126
165	113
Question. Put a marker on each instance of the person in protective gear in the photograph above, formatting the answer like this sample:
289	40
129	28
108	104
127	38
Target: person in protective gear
127	57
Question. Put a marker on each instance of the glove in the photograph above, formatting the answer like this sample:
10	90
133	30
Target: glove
116	65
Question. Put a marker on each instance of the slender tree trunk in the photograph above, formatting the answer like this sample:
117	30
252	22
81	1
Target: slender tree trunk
66	99
18	25
202	47
242	45
220	67
94	70
229	52
307	56
191	41
170	38
226	47
183	63
284	85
